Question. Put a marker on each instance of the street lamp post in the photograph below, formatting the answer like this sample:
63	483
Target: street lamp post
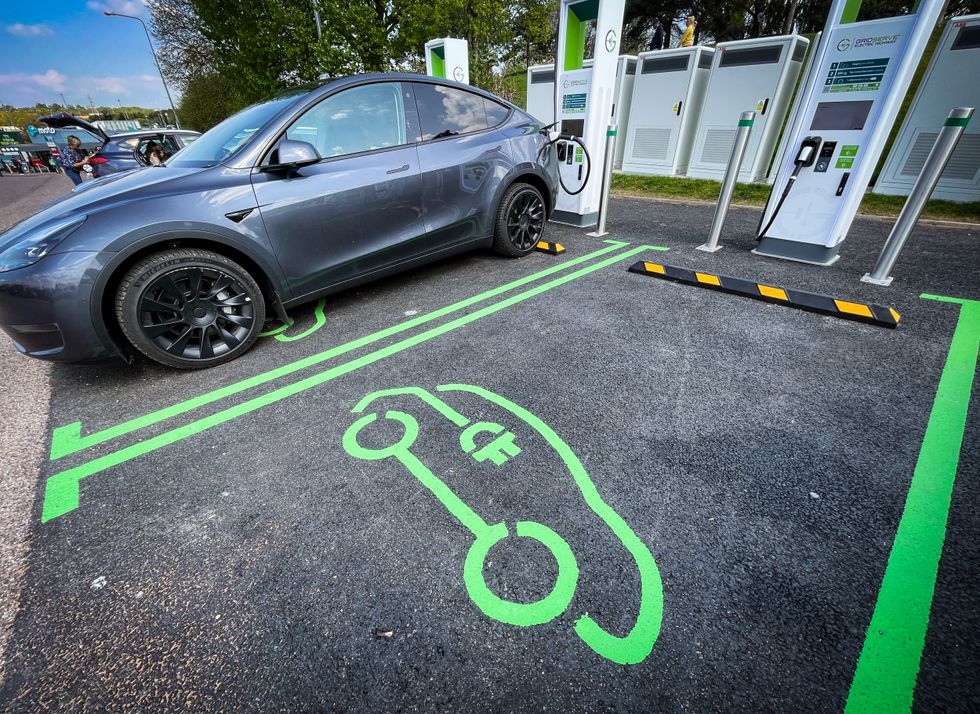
153	52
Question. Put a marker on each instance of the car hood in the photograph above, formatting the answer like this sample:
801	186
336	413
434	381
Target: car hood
113	190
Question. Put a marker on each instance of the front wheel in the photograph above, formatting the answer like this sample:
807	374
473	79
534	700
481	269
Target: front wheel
519	224
189	308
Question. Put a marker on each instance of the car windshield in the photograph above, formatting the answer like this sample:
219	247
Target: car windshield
217	144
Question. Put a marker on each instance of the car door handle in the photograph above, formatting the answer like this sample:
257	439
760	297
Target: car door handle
398	170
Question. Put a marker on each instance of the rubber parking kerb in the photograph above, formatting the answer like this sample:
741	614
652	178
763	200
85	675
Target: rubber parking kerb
869	313
549	248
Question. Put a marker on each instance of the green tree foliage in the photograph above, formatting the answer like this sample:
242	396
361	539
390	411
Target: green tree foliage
207	100
261	46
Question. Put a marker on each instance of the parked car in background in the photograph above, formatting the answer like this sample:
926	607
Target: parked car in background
125	151
308	193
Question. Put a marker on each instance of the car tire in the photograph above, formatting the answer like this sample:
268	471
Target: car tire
520	220
189	308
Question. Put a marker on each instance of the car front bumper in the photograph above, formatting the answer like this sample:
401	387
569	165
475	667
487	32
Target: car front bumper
47	309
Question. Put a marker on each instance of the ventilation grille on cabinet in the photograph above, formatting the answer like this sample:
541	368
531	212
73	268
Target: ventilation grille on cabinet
717	147
962	166
650	143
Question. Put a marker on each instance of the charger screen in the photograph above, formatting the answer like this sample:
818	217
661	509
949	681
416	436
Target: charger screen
841	116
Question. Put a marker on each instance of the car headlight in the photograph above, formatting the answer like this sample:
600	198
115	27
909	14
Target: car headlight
18	249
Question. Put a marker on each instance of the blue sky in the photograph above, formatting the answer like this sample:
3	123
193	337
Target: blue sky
69	46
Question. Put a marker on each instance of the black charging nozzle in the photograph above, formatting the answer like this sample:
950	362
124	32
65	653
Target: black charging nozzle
805	156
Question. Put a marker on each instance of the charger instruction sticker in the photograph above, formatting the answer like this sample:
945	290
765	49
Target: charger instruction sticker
845	159
855	75
573	103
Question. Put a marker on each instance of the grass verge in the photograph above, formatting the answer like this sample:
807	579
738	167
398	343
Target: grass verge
753	194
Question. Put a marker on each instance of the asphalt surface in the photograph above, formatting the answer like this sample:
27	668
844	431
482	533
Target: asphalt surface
761	454
23	414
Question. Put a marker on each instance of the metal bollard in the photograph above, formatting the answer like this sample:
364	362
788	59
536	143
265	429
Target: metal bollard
932	169
607	169
728	185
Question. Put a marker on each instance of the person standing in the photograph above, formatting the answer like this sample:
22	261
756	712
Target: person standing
657	42
74	159
687	38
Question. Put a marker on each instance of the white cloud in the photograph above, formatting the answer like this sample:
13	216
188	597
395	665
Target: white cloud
123	7
51	80
22	30
25	89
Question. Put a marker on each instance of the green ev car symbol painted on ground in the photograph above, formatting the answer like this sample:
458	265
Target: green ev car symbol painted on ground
320	319
500	448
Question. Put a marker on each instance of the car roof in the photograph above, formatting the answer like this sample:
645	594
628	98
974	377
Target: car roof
148	132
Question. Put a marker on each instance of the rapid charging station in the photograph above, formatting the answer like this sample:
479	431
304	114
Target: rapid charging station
746	75
448	58
584	98
541	91
541	96
668	94
837	133
952	80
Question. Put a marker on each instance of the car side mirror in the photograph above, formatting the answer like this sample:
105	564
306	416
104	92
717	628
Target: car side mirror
292	154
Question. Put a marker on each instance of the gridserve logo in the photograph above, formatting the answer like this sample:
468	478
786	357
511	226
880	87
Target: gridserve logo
846	44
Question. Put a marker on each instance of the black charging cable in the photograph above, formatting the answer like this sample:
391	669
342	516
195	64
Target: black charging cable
782	199
804	157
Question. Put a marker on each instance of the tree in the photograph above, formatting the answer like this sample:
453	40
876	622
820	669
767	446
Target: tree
207	100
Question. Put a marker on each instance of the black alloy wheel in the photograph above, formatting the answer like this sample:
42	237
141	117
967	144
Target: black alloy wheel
196	313
520	220
525	220
189	308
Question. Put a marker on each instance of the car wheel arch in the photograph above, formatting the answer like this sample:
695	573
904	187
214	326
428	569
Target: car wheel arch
533	178
103	305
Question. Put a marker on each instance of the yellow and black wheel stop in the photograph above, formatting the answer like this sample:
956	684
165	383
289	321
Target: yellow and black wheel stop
823	304
549	248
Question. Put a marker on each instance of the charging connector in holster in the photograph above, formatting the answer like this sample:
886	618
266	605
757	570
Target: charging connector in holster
805	156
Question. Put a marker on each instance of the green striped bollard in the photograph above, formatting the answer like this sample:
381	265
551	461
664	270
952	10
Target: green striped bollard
932	169
728	185
607	170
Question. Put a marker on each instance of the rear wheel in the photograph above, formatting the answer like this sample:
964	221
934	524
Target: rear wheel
519	224
190	308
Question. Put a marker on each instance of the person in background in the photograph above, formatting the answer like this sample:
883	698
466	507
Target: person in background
74	159
155	154
657	42
687	38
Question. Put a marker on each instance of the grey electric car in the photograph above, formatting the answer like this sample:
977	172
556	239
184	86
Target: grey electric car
308	193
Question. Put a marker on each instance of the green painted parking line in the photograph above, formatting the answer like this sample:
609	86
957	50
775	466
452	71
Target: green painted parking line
61	491
888	667
320	319
631	648
68	439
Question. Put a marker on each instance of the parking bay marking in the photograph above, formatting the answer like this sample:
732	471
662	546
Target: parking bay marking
631	648
68	439
888	665
61	490
320	319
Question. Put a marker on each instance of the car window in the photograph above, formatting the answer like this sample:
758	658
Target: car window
364	118
167	143
235	132
188	139
496	112
129	144
170	144
447	111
